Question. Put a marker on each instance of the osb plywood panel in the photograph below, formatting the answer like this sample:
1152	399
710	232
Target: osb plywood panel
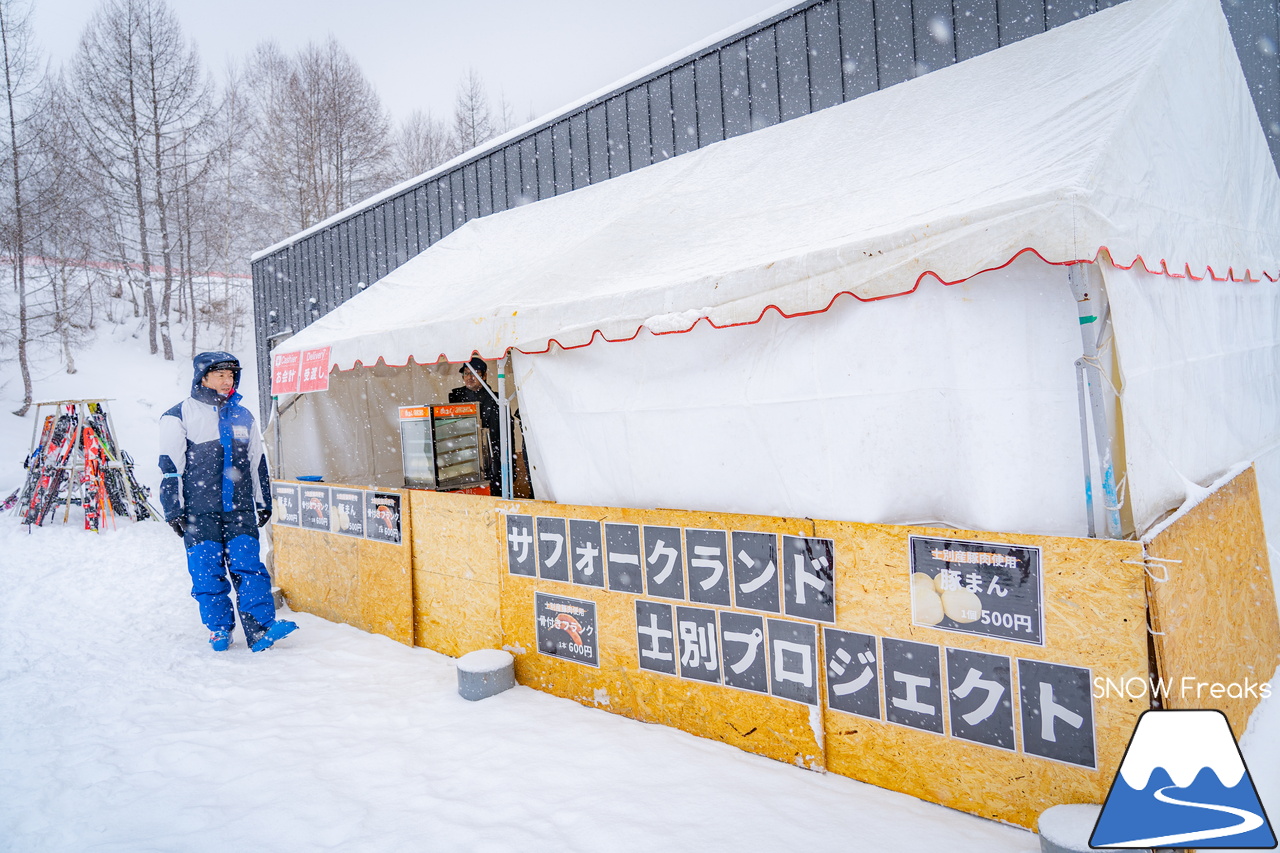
1094	608
318	573
1216	612
456	542
776	728
385	584
457	535
455	616
360	582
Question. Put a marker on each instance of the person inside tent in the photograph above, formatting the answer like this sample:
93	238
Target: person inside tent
472	392
216	493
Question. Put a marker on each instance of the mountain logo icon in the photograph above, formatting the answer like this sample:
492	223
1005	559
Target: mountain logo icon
1183	782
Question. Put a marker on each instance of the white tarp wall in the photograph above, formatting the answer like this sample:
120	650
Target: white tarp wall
1200	386
955	404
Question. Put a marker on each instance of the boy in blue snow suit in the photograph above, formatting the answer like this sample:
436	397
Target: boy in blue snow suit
216	493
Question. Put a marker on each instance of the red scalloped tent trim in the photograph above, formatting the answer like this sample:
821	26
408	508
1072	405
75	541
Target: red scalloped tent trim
1162	270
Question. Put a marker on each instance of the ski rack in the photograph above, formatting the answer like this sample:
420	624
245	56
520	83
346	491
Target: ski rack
73	488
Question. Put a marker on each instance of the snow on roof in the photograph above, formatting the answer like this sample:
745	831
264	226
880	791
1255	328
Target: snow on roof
1130	132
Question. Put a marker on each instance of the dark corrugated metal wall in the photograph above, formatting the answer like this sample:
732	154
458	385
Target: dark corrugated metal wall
813	56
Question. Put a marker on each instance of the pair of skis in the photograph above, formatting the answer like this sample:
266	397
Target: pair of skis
79	440
49	473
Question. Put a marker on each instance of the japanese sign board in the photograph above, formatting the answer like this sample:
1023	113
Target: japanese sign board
977	588
793	661
521	555
853	677
315	507
715	567
697	637
284	504
285	373
566	628
782	589
347	511
314	370
300	372
622	556
980	697
382	517
655	636
743	650
344	510
1057	712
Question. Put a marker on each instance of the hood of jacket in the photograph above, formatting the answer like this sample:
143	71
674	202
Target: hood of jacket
200	366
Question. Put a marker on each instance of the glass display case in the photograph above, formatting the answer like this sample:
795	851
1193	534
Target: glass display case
443	448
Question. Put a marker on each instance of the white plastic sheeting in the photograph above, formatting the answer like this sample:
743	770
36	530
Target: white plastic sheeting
1129	135
955	405
1131	129
1200	385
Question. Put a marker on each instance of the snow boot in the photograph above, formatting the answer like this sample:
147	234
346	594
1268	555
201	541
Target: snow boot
220	640
278	630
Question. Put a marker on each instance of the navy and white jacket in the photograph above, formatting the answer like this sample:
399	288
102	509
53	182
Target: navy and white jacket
211	452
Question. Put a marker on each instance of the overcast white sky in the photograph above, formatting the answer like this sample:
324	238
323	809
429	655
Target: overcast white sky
541	54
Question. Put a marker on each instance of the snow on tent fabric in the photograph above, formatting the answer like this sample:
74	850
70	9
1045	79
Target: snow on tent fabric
1128	137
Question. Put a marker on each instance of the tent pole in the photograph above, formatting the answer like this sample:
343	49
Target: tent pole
275	417
504	427
1084	448
1089	303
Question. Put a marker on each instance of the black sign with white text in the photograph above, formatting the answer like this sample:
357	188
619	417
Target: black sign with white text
980	697
655	637
522	557
664	567
622	554
912	684
755	571
553	550
566	628
743	651
808	573
853	676
347	507
793	661
284	500
584	543
1057	712
977	588
382	517
707	554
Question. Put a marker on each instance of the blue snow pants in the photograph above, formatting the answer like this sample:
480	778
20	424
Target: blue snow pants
219	543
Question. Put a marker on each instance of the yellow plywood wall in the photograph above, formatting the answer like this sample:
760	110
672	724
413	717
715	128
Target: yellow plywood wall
1215	607
777	728
456	544
1094	618
360	582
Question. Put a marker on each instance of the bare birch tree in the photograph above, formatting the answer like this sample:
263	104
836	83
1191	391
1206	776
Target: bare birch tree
20	81
321	134
105	74
473	122
420	144
177	107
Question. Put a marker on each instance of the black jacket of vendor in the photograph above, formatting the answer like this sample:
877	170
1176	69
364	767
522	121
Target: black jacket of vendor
488	420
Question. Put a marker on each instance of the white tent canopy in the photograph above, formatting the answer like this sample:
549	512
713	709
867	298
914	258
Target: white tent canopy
1130	130
1128	136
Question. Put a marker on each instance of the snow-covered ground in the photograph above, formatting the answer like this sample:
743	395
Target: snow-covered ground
121	731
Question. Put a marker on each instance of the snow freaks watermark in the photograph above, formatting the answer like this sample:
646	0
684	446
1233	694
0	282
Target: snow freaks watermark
1183	782
1186	687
